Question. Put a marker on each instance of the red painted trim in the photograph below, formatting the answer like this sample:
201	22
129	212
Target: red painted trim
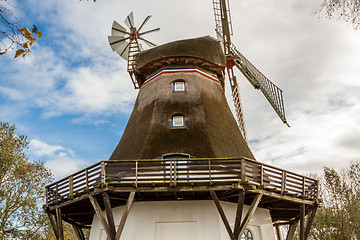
192	70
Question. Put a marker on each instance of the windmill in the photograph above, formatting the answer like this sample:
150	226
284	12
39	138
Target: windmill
182	152
127	42
234	58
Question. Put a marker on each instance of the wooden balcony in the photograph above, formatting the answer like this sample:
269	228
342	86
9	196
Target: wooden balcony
283	192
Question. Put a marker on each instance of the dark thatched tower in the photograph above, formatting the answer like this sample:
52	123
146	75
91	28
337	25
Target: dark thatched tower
181	106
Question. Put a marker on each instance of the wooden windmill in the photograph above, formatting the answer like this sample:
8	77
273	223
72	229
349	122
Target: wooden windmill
182	169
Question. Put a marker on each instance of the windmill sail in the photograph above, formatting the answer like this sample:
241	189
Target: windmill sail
237	102
272	93
126	42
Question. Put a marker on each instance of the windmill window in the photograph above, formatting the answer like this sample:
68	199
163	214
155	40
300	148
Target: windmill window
247	235
178	121
179	86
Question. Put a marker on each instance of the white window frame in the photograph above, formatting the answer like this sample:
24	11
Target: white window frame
178	121
179	86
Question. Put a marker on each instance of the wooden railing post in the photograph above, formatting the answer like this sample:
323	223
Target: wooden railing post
102	173
57	193
71	187
210	171
175	180
170	172
243	172
87	178
261	174
136	173
283	182
303	187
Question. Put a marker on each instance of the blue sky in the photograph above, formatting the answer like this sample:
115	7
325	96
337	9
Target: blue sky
72	96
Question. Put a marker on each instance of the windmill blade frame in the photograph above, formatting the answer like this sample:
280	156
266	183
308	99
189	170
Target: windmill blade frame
150	44
124	51
150	31
117	41
129	20
144	22
272	92
118	30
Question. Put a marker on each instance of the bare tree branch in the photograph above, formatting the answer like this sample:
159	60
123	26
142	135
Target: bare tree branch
342	10
12	35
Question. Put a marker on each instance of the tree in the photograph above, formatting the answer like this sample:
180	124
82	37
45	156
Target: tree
345	10
11	34
22	188
338	218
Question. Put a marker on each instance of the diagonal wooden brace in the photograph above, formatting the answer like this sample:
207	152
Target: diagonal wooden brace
54	225
310	221
79	233
250	213
125	215
222	214
109	214
292	229
103	221
239	210
59	224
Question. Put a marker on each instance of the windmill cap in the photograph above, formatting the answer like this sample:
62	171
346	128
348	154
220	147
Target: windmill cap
206	50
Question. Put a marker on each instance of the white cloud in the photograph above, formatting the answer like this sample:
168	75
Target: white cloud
64	166
61	161
41	148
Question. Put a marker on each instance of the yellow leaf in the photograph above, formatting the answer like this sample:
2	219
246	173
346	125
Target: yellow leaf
26	33
36	31
19	52
3	53
27	45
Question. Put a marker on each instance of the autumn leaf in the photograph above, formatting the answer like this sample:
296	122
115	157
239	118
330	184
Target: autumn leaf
27	45
3	53
26	33
36	31
19	53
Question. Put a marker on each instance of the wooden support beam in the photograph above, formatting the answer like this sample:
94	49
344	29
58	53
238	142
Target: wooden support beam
239	209
222	214
310	221
109	214
53	223
103	221
292	229
79	233
278	232
125	215
59	224
250	213
302	222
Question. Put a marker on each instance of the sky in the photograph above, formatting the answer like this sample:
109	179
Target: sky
72	95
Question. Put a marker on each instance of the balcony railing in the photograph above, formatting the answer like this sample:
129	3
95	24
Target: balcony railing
182	172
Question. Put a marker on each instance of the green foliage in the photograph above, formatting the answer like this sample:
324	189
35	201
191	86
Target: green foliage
344	10
22	188
339	217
